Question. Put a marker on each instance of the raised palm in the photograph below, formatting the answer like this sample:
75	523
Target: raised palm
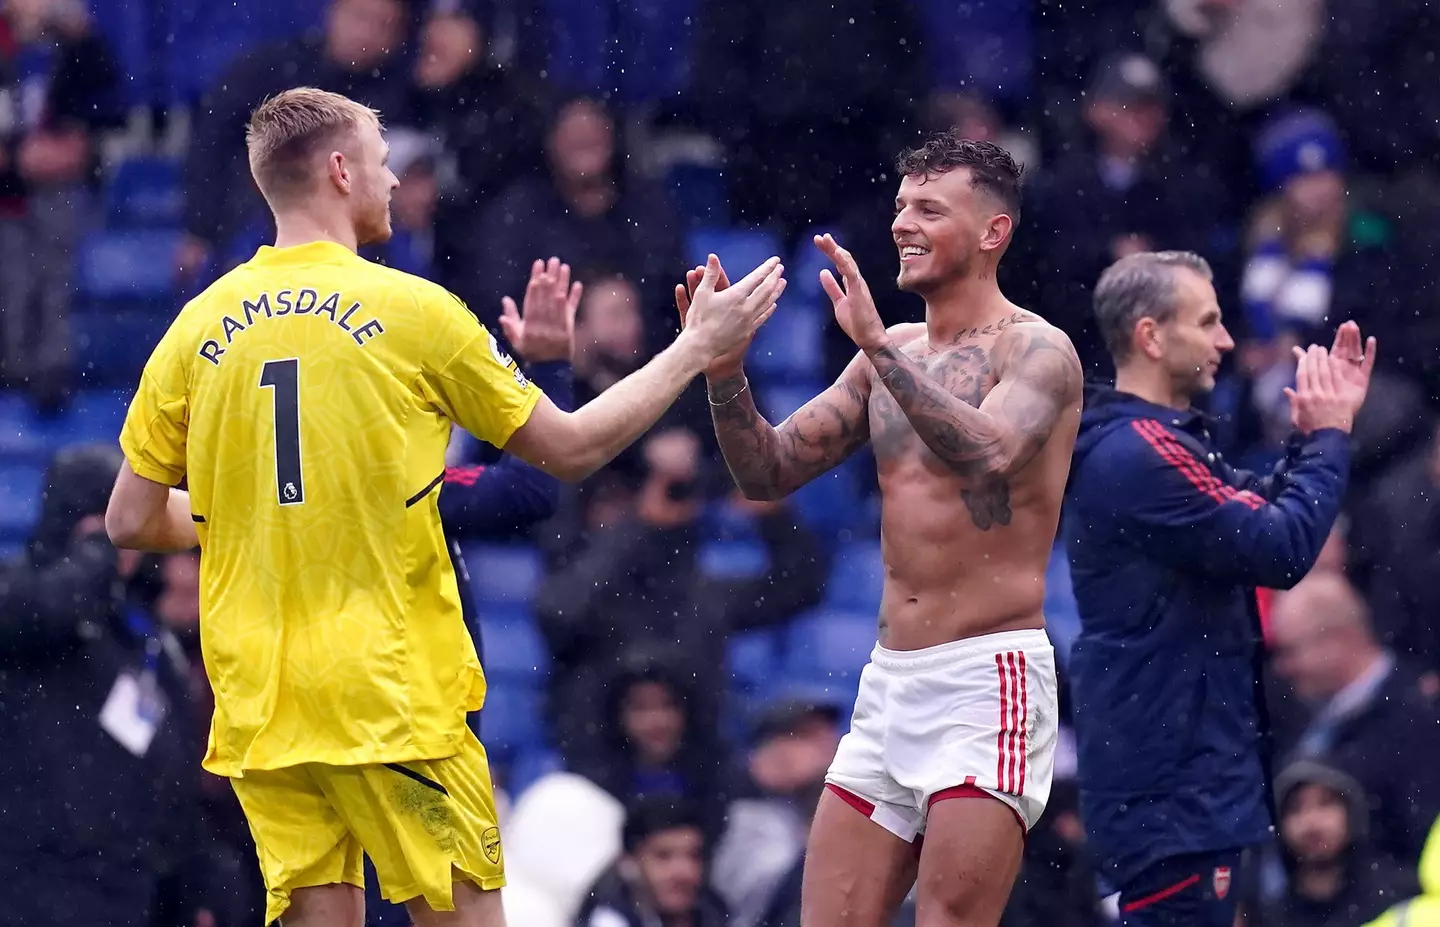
1352	363
726	363
854	306
542	328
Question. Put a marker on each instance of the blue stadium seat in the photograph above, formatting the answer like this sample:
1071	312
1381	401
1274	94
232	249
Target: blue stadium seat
144	192
502	572
20	489
113	341
983	47
856	578
754	657
95	415
791	344
726	559
741	711
831	503
512	719
779	401
829	645
205	37
21	438
584	51
576	37
127	28
740	250
529	767
130	265
654	52
722	521
838	692
514	649
804	266
700	194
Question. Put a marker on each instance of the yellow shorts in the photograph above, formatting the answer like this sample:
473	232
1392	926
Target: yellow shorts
425	824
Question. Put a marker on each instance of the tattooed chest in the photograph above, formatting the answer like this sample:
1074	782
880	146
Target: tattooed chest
964	371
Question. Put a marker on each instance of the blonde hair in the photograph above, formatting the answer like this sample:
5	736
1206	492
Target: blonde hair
286	131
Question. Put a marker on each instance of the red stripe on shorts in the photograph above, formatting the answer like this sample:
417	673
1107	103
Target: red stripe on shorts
1013	706
1015	753
1004	720
1024	720
969	790
851	799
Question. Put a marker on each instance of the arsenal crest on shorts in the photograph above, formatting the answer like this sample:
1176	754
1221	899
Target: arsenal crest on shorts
1221	881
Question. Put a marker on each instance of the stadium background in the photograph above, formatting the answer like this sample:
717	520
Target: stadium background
1292	143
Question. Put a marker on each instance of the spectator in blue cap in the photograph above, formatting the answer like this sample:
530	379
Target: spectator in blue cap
1300	157
1313	258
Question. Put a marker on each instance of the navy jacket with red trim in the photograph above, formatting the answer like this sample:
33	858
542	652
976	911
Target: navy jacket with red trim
1167	544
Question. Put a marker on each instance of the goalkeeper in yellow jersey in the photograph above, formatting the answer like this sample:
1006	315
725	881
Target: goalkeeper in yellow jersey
306	399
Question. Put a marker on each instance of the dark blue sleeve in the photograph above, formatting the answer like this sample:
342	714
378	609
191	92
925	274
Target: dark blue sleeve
1187	516
555	379
1267	487
506	498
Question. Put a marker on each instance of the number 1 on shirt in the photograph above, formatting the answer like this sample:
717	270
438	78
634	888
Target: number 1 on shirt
283	376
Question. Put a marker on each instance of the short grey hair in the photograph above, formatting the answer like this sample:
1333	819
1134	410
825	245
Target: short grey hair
1140	286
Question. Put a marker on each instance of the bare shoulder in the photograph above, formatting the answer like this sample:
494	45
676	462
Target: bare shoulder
1032	348
906	333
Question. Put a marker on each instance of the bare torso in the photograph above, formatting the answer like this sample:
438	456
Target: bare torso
963	557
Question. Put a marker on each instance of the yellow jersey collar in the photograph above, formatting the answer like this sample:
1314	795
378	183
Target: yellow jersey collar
314	252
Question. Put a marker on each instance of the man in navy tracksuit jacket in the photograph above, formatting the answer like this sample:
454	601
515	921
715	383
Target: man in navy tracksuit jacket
1167	544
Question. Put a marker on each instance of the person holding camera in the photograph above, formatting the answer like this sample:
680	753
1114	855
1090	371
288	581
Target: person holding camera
99	797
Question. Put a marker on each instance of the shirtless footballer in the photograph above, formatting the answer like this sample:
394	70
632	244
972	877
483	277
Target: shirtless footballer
972	416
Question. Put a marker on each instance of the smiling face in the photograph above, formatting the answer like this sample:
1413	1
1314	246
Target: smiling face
944	225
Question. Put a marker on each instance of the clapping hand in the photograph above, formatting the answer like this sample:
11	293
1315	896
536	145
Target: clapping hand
854	306
723	319
543	327
1330	386
731	362
1352	362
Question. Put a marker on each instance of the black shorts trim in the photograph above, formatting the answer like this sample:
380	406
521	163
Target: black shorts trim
412	774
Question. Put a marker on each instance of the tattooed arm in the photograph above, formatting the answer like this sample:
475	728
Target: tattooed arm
1040	376
769	462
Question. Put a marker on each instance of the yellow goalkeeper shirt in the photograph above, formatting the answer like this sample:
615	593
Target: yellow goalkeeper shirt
307	398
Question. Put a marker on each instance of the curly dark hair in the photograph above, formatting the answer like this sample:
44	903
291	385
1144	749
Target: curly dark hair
992	169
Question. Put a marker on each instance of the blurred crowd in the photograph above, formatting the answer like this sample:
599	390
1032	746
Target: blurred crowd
1290	142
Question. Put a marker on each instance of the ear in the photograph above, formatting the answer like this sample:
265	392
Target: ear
997	232
1149	339
338	170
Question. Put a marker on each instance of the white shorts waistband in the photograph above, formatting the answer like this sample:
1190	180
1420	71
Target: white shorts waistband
983	647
